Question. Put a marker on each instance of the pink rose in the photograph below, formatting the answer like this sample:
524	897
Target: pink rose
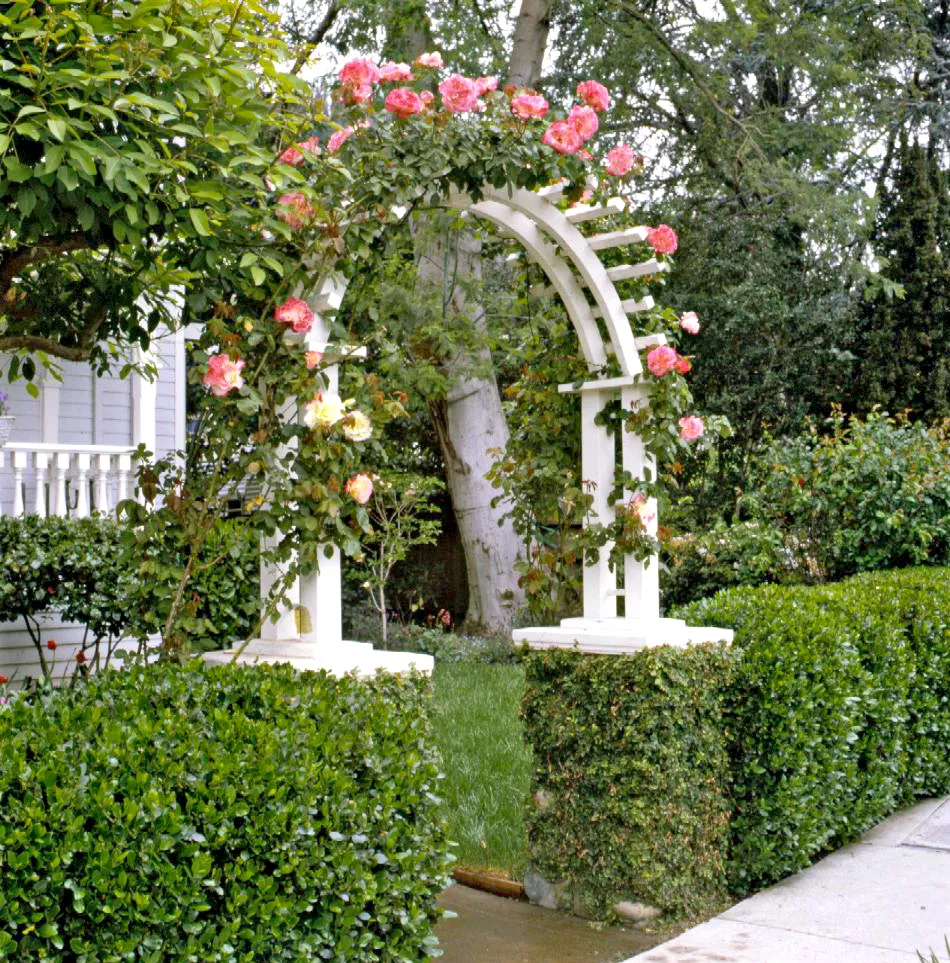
404	102
296	313
313	358
683	365
311	145
691	428
689	322
361	94
294	210
291	156
640	504
338	138
661	360
427	97
223	374
359	72
359	488
594	95
584	121
527	106
459	94
562	137
433	60
620	160
663	239
392	73
485	85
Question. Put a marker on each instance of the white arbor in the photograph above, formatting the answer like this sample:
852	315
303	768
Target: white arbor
310	634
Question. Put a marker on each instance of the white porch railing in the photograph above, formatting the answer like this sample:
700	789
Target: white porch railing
64	480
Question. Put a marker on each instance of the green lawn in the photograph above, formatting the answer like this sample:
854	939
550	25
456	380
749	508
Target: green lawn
486	762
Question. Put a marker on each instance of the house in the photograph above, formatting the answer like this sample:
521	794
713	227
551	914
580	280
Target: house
70	453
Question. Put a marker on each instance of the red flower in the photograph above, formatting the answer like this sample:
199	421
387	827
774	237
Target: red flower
3	680
80	657
51	645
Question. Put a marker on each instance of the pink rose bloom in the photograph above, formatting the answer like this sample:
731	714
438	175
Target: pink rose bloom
562	137
296	313
433	60
392	73
691	428
459	94
663	239
362	94
594	95
359	488
485	85
223	375
527	106
338	138
311	145
585	155
683	365
294	210
661	360
640	504
313	358
620	160
404	102
427	97
359	72
584	121
291	156
689	322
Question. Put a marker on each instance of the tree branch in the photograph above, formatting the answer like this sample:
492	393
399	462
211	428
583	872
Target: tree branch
30	342
16	261
318	35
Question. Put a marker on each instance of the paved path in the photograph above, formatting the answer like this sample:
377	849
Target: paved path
879	900
492	929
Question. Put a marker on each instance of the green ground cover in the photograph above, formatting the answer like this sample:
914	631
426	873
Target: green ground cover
486	761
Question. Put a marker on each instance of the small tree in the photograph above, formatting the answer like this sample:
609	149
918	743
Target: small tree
400	511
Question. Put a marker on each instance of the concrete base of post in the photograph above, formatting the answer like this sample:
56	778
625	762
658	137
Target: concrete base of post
616	636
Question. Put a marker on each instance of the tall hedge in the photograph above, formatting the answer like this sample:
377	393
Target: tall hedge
226	814
671	775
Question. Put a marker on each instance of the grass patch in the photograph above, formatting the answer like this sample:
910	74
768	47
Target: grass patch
486	761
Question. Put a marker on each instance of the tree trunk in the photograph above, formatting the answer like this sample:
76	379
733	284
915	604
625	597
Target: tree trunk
530	42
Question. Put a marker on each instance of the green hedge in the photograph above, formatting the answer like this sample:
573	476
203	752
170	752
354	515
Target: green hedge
669	775
228	814
630	769
839	712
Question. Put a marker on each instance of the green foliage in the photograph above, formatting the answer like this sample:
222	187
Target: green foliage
866	494
220	814
631	775
74	566
839	711
486	761
904	342
725	556
135	142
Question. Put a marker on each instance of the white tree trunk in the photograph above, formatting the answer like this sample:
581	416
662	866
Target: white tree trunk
471	427
530	42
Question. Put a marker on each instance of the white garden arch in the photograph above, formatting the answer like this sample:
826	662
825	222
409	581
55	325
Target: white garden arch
309	633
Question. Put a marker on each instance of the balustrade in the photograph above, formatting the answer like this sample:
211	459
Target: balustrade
64	480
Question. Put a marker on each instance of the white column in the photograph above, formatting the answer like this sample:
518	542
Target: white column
144	400
641	581
41	462
20	461
102	484
285	627
82	485
49	408
598	465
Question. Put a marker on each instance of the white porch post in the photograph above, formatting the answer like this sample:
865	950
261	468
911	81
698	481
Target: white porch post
144	402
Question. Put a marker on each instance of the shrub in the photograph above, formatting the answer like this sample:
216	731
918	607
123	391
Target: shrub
630	775
864	495
219	815
744	553
839	711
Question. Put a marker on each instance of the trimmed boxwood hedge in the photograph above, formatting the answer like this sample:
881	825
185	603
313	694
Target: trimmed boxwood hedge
832	712
221	814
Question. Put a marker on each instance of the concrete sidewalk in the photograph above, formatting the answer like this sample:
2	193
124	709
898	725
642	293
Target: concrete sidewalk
879	900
